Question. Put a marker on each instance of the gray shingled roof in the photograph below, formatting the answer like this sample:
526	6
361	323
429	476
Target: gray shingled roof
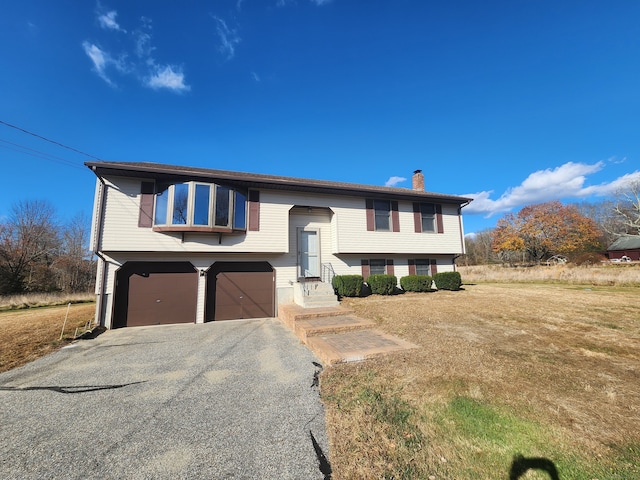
628	242
164	172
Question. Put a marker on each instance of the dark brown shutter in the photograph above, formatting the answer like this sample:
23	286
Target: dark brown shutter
254	210
145	217
417	217
439	218
412	266
395	217
434	267
371	221
390	270
366	269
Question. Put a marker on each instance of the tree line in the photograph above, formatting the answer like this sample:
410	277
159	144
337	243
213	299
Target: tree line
40	254
578	232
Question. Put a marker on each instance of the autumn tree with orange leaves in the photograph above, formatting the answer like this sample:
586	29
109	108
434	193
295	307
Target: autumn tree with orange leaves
545	230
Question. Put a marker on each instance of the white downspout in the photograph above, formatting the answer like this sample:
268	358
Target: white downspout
97	241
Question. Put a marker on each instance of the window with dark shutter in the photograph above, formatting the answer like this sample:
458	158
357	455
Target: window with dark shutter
390	270
366	270
422	266
395	217
439	221
382	210
371	223
145	217
412	267
377	266
254	210
427	217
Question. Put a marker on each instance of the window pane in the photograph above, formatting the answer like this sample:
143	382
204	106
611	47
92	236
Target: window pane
428	212
180	201
377	267
422	267
222	206
160	217
201	205
240	211
382	209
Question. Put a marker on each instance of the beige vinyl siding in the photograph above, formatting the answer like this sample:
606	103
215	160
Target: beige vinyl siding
354	237
121	231
346	233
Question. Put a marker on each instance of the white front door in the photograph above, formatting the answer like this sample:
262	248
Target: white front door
308	253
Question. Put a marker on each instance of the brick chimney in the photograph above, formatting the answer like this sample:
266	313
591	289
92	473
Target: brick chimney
418	181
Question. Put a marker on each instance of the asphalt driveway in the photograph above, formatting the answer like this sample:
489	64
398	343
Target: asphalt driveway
218	401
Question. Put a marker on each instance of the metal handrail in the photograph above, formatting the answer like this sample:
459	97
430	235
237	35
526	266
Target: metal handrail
327	273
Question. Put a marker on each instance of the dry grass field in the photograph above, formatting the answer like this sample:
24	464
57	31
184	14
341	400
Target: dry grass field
30	333
540	370
31	300
613	274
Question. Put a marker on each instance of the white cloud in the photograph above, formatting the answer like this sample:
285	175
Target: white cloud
108	21
228	38
100	59
140	64
613	187
393	181
167	77
565	181
142	35
321	2
255	76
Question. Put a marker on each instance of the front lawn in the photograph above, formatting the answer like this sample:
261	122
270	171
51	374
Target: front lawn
538	370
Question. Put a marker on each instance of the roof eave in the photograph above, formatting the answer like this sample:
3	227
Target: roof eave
253	180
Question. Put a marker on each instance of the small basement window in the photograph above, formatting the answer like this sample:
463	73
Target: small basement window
377	266
423	266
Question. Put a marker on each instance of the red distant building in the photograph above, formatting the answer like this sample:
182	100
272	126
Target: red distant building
627	246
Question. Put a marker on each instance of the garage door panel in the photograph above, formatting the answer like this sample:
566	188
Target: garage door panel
244	295
157	293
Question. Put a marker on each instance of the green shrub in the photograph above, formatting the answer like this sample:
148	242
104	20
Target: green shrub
348	285
382	284
416	283
448	280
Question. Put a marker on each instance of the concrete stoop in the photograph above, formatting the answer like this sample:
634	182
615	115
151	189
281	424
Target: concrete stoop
315	294
335	335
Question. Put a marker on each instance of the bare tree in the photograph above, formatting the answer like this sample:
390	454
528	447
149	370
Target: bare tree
29	242
74	268
479	249
601	213
627	209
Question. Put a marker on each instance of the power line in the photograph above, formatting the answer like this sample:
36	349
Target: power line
39	154
49	140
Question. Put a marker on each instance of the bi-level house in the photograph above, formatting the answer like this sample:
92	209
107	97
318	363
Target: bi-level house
191	245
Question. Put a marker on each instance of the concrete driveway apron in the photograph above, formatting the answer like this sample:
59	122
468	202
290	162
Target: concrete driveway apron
221	400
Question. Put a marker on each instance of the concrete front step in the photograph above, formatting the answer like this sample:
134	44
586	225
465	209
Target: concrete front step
309	327
355	346
335	335
290	313
319	302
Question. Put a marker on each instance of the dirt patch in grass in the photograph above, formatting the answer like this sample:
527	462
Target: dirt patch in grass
28	334
537	370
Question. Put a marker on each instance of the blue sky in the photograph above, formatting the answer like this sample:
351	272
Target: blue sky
511	102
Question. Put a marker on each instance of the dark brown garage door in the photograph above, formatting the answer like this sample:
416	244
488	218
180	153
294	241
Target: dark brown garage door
240	290
155	293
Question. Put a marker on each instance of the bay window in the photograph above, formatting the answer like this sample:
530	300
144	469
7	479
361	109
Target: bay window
195	206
